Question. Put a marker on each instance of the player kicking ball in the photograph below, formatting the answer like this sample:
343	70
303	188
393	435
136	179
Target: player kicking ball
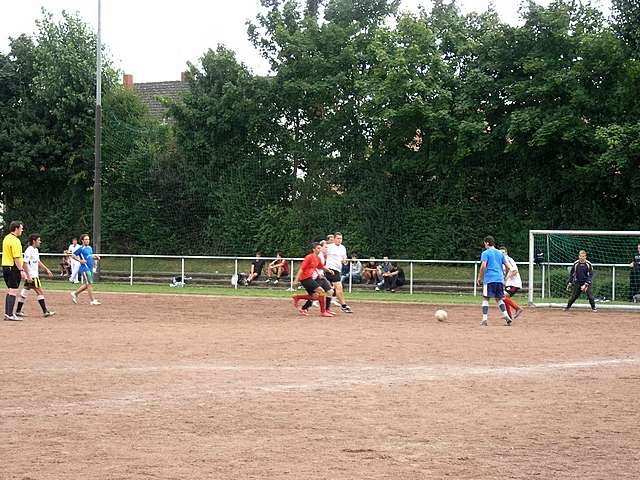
87	260
32	282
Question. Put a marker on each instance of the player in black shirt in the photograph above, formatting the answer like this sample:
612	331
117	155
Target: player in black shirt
580	277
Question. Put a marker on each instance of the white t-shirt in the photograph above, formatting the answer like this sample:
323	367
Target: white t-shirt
31	258
319	271
72	248
514	279
336	254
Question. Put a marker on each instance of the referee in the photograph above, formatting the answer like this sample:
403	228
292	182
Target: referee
12	267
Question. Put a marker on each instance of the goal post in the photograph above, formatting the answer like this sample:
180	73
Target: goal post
615	281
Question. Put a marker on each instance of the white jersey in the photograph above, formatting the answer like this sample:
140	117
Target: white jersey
32	258
336	254
319	271
72	248
512	279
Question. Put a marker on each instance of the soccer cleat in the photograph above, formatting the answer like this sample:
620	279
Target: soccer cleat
94	302
12	318
74	297
483	323
275	282
326	314
20	314
594	310
508	320
518	313
330	313
346	309
49	313
303	312
565	309
377	289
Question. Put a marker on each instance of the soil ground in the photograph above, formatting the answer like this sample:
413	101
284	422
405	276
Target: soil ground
192	387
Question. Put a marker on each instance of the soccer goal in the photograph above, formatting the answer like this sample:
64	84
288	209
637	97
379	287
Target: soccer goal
552	253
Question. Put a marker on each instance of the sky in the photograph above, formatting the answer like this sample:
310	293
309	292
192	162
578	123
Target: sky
153	40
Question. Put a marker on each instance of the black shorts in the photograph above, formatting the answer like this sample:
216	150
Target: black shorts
324	283
11	276
310	285
511	290
33	284
332	275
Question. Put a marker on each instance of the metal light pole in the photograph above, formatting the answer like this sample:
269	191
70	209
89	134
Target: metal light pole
97	188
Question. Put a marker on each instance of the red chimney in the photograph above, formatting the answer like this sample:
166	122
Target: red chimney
127	80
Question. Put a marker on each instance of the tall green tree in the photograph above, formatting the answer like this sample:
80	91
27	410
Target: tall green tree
46	130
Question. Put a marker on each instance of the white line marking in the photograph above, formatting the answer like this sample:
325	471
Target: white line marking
246	381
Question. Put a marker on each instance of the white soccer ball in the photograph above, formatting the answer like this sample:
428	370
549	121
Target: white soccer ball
441	315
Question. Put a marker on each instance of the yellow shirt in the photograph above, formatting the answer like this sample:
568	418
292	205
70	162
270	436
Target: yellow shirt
11	248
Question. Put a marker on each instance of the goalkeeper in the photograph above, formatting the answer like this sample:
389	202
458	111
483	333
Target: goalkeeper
580	278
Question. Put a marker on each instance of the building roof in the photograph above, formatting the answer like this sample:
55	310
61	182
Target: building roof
150	93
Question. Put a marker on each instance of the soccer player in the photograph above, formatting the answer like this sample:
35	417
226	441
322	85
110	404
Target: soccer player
307	275
492	280
513	284
336	257
86	257
12	268
580	278
32	282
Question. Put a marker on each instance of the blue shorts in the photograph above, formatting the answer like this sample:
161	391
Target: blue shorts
493	290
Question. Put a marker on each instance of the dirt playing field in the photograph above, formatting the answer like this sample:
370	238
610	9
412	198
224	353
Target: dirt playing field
192	387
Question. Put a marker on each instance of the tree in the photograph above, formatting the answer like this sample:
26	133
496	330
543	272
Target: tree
47	134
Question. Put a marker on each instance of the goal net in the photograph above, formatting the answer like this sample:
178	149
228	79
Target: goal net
615	281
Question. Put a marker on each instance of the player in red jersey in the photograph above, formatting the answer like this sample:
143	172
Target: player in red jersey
305	276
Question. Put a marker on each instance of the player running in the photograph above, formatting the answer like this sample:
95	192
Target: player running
86	258
513	284
32	282
307	276
336	257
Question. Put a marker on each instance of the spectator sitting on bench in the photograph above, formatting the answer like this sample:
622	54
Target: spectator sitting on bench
354	267
383	269
256	269
277	268
370	272
65	266
394	278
